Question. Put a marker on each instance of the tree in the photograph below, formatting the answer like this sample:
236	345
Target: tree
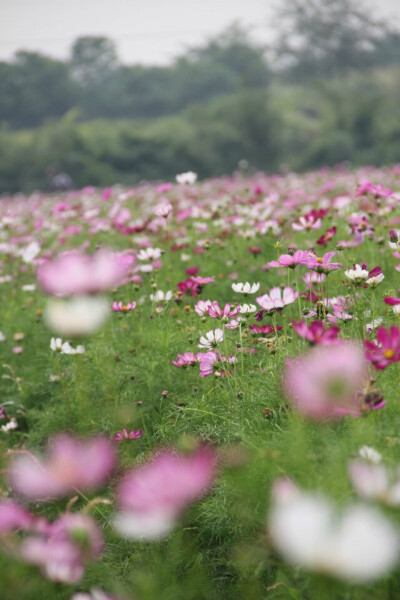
34	87
93	58
326	37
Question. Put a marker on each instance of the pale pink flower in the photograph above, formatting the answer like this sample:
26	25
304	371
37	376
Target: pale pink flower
325	383
152	496
216	312
307	222
73	273
202	306
276	299
300	257
71	465
322	264
123	306
60	553
163	210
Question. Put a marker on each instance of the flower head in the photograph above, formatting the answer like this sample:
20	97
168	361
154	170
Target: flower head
152	496
385	349
246	288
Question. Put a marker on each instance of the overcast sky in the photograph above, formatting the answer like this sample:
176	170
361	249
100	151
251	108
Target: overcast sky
147	31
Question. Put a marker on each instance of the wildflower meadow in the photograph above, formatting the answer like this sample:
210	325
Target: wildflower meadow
200	389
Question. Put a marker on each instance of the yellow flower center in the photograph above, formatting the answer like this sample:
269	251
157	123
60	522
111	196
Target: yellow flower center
388	353
319	260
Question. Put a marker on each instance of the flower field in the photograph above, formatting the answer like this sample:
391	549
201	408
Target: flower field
200	389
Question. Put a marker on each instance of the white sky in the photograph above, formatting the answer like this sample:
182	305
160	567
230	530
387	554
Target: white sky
147	31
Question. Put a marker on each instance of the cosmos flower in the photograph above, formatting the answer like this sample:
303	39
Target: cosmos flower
163	210
325	382
76	316
300	257
74	273
125	435
358	274
57	345
185	360
160	296
277	299
70	464
322	264
357	544
216	312
123	307
211	339
246	288
201	307
315	332
188	178
385	349
152	496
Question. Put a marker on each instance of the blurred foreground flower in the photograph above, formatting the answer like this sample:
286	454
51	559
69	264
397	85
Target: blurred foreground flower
71	465
78	316
325	382
152	496
358	545
79	274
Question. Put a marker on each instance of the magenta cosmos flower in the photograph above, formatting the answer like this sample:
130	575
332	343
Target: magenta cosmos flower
385	349
300	257
152	496
322	264
315	332
216	312
71	465
325	383
74	273
124	434
276	299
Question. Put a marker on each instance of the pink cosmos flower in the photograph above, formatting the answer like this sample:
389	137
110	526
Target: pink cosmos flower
71	464
215	312
208	363
394	302
185	360
276	300
203	280
73	273
385	349
325	382
315	333
202	306
73	540
13	516
125	435
264	329
300	257
323	264
152	496
121	307
163	210
307	222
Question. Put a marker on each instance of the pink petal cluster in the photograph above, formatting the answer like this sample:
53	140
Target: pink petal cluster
315	332
276	299
325	383
124	434
123	307
300	257
71	465
151	496
74	273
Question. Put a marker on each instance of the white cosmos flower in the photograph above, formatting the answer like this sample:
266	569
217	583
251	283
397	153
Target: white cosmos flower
29	287
374	281
211	339
57	345
81	315
370	454
149	254
30	252
159	296
245	288
246	309
357	274
2	337
358	545
186	178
